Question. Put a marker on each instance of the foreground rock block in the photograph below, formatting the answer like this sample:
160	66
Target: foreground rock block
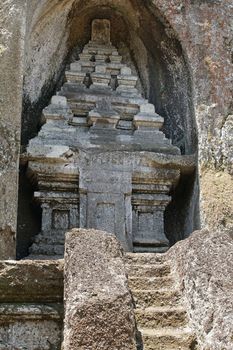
98	305
203	266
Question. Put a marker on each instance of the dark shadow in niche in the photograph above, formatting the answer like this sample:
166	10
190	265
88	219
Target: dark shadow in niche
29	215
182	214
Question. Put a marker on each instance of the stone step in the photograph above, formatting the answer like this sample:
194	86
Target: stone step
46	249
155	317
154	298
153	270
150	282
166	339
50	240
44	257
144	258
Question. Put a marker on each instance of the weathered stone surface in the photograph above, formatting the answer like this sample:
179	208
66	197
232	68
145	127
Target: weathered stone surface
160	314
31	305
30	326
101	31
217	194
7	243
12	30
31	281
98	305
183	52
202	26
203	266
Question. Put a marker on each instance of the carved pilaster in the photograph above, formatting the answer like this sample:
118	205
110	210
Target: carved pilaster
149	201
59	200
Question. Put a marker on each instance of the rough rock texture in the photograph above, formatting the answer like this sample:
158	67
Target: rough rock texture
30	326
205	31
31	305
182	52
202	27
203	265
98	306
12	30
31	281
217	194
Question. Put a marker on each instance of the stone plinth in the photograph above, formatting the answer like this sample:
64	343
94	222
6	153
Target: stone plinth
98	304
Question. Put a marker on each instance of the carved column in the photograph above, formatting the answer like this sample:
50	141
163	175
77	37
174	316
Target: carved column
150	198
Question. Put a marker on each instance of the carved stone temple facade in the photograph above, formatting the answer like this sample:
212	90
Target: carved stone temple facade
116	128
101	160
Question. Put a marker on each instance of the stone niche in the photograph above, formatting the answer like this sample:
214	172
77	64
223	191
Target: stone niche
101	160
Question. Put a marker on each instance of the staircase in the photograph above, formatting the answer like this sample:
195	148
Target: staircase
161	318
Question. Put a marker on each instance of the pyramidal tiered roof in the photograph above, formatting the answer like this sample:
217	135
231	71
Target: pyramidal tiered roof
101	96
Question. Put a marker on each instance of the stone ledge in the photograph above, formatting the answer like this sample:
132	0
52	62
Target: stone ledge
31	281
32	312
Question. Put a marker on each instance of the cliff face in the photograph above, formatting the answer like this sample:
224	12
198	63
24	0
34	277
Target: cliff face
12	31
205	32
182	51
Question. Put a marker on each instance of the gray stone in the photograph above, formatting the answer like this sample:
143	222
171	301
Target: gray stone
59	101
75	77
148	123
126	71
98	304
159	309
203	267
147	108
100	69
12	29
76	67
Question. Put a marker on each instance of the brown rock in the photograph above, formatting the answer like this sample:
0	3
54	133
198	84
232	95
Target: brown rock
31	281
203	265
98	305
217	190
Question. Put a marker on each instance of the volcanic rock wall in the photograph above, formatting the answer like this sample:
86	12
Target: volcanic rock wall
12	32
182	51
